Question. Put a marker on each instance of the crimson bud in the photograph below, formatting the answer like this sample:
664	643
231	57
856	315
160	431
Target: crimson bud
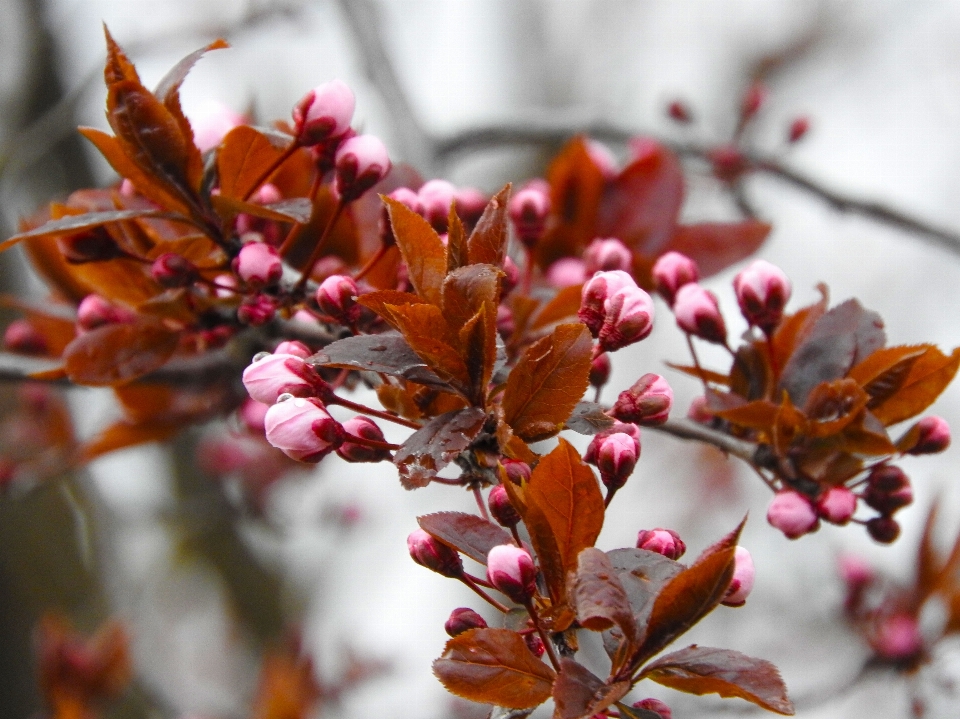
883	529
743	575
798	129
672	271
753	100
173	270
837	505
94	311
433	554
510	569
662	541
679	111
600	370
365	428
361	162
698	313
337	297
792	513
323	113
762	292
595	295
517	472
534	644
21	336
629	319
888	489
302	428
258	264
934	436
615	454
501	508
528	211
647	402
256	310
654	705
728	162
463	619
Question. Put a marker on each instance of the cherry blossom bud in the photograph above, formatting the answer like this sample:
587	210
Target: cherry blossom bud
517	472
934	436
510	569
762	292
94	311
662	541
648	402
258	264
173	270
211	122
567	272
698	313
256	310
753	100
855	571
698	412
607	254
253	414
792	513
505	323
798	129
271	375
897	637
302	429
511	276
500	507
679	112
361	162
463	619
596	294
728	162
408	198
528	211
365	428
470	204
436	196
337	297
672	271
22	337
600	369
654	705
888	489
883	529
323	113
837	505
603	158
433	554
629	319
615	455
293	347
742	583
93	245
534	644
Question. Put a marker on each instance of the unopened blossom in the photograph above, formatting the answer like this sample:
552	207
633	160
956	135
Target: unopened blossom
436	197
662	541
463	619
365	428
837	505
517	471
528	211
600	369
698	313
211	121
302	428
933	436
897	637
511	570
604	254
647	402
888	489
884	529
615	454
293	347
654	705
798	129
337	297
763	291
256	310
566	272
258	264
360	163
742	582
173	270
671	271
323	113
500	507
271	375
429	552
94	311
470	204
753	99
615	310
792	513
23	337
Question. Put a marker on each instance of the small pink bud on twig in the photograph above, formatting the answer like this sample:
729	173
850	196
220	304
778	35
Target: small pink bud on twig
94	311
361	162
256	310
662	541
698	313
884	530
616	455
271	375
600	369
743	575
500	507
337	297
463	619
837	505
933	437
470	204
888	489
528	211
604	254
302	428
678	111
258	264
323	113
792	513
648	402
753	99
654	705
365	428
433	554
436	196
511	570
566	272
173	270
517	472
672	271
763	291
21	336
798	129
897	637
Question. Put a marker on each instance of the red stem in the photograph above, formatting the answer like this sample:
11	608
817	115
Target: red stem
363	409
371	263
318	250
551	652
372	443
480	504
274	166
465	578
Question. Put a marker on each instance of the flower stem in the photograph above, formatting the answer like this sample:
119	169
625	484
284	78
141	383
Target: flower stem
551	652
465	578
363	409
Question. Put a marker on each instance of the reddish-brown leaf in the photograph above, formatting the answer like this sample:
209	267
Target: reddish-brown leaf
642	574
469	534
422	250
73	224
882	373
689	596
494	666
547	382
388	353
377	301
717	245
478	342
436	444
928	377
118	353
832	406
704	374
425	329
795	328
457	252
760	414
488	241
702	670
578	693
467	289
564	306
123	434
244	155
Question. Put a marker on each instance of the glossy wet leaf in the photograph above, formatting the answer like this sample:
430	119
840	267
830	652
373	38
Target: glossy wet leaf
488	241
469	534
436	444
589	418
245	154
388	353
118	353
578	693
422	250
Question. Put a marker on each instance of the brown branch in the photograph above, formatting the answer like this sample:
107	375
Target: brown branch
688	429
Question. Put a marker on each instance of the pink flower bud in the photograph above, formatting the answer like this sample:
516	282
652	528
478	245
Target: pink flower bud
323	113
603	158
505	323
511	277
837	505
337	297
511	570
698	313
762	292
470	204
629	319
211	122
365	428
654	705
792	513
678	110
436	196
256	310
302	429
500	507
934	436
258	264
672	271
884	530
600	369
742	583
271	375
94	311
648	402
408	198
753	99
897	637
173	270
728	163
596	295
253	414
517	472
855	571
888	489
566	272
361	162
607	254
798	129
433	554
615	455
463	619
528	211
293	347
698	412
22	337
662	541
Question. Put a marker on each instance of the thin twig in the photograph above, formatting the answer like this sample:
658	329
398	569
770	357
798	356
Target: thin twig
688	429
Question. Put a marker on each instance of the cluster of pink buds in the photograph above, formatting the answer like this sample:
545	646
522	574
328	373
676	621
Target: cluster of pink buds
648	402
528	210
615	310
615	453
